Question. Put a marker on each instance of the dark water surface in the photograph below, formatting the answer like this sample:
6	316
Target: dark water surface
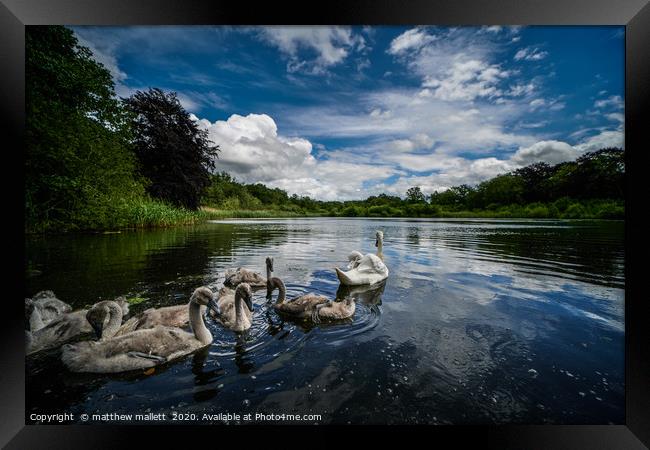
480	321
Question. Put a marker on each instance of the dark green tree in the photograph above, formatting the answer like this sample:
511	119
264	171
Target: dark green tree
78	160
535	181
500	190
414	195
174	154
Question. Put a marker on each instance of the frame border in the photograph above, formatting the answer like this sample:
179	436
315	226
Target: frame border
634	14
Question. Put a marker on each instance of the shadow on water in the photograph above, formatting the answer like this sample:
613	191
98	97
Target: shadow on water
480	321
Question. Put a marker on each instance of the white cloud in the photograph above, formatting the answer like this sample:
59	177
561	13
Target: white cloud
521	89
530	54
552	152
103	53
617	117
494	29
253	151
467	80
607	138
412	39
331	44
614	101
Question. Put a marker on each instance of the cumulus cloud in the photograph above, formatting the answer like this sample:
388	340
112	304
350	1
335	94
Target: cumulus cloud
552	152
607	138
253	151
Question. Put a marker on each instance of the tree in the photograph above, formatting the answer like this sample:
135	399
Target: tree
456	196
500	190
415	195
78	159
535	181
174	154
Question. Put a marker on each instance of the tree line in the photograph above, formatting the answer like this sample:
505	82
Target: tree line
95	161
590	187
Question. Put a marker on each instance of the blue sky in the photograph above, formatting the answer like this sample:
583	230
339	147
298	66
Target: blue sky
347	112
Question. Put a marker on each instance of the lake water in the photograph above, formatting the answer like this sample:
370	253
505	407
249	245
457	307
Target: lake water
479	322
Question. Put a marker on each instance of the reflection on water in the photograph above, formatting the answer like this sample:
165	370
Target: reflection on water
480	321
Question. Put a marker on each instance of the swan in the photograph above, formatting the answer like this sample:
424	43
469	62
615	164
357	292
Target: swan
300	307
365	294
43	308
334	310
106	320
369	269
144	348
253	279
310	306
231	312
169	316
64	328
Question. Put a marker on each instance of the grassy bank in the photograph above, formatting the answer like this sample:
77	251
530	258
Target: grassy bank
207	213
148	213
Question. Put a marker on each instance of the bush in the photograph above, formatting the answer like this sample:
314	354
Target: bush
353	211
562	204
575	211
537	210
610	211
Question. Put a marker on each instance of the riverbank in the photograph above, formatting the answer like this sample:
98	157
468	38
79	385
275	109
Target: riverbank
147	213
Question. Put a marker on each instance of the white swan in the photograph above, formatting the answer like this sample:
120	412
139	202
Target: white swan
64	328
235	308
369	269
43	308
253	279
142	349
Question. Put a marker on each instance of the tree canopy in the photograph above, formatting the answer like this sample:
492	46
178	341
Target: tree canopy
77	156
174	154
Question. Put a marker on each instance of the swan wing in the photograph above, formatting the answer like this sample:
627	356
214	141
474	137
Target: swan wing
372	264
302	304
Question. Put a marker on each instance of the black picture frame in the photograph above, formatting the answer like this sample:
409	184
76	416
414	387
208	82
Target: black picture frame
634	14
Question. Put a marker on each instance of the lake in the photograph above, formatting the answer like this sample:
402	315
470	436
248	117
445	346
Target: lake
480	322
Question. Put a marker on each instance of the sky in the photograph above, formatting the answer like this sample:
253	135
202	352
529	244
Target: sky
340	113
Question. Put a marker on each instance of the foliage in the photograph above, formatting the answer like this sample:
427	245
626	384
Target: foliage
415	195
174	154
77	156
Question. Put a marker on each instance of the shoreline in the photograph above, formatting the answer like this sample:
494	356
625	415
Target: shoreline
206	213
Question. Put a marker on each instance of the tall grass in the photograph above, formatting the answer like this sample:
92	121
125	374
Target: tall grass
212	213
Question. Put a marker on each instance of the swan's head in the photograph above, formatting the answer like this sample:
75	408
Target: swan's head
245	293
97	316
379	238
123	304
204	296
269	263
354	259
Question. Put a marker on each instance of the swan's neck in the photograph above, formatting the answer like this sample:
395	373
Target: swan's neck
198	326
282	295
114	322
380	247
239	313
269	275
